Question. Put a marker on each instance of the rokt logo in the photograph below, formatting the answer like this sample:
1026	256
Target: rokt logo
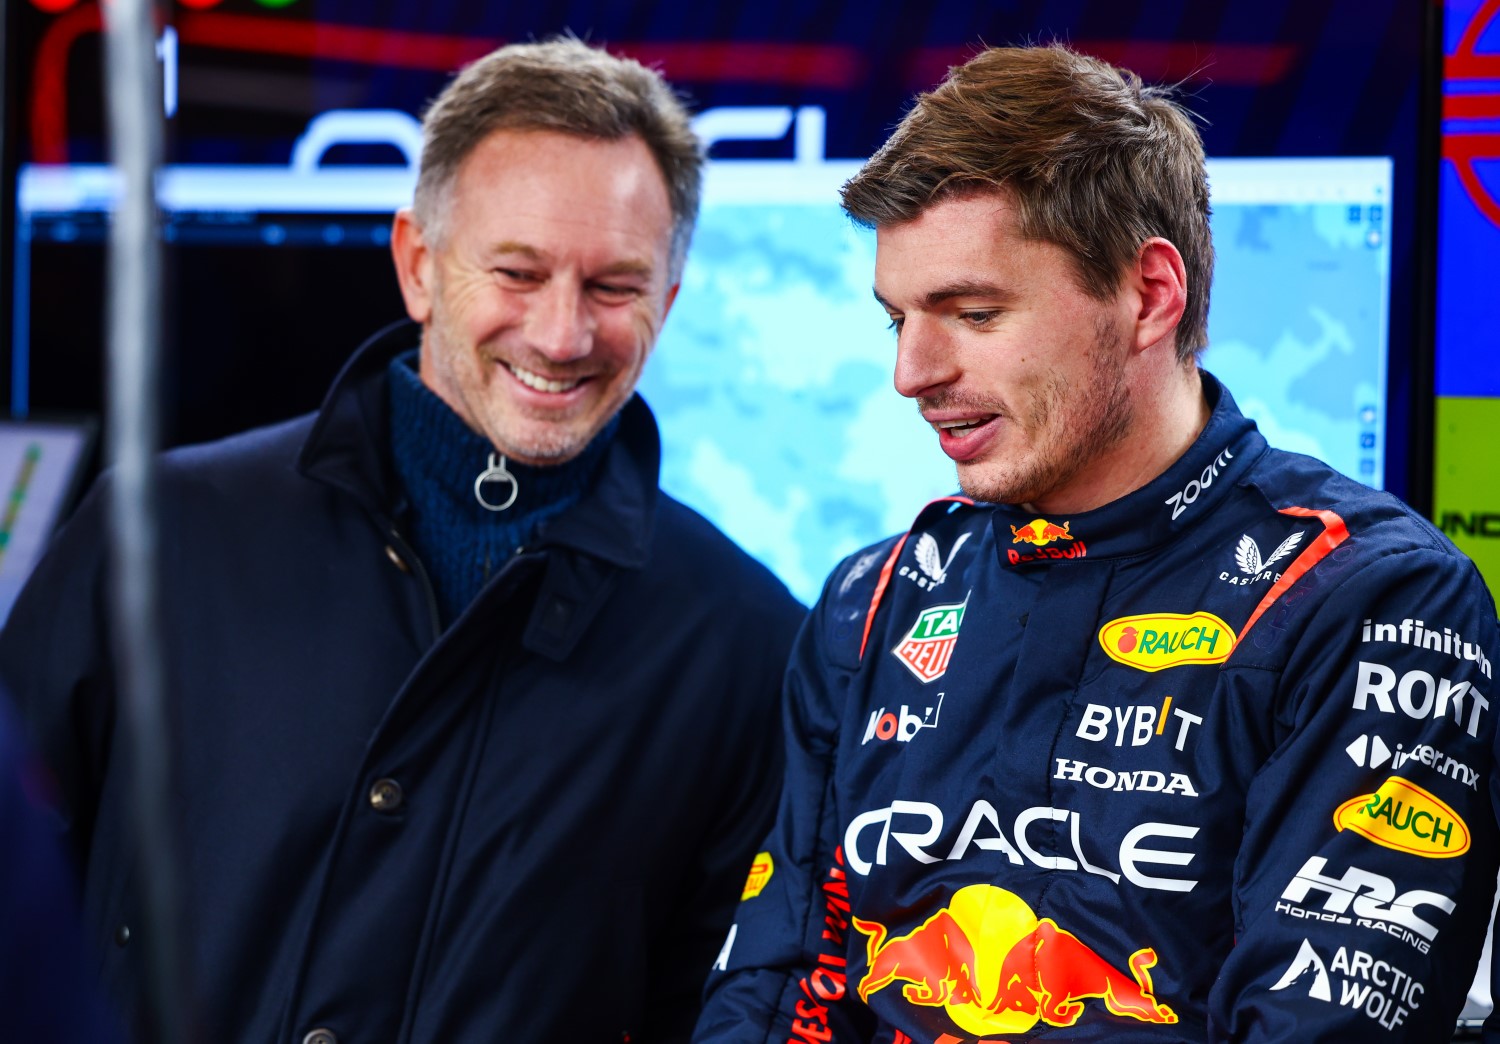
1156	641
932	568
1252	567
1376	987
1418	695
995	968
1402	816
928	646
903	726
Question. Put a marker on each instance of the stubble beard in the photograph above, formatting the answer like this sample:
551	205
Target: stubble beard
1068	429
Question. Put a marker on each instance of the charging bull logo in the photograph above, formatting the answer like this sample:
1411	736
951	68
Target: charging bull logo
994	968
1040	532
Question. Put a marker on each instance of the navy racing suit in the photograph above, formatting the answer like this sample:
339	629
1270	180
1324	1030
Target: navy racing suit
1211	762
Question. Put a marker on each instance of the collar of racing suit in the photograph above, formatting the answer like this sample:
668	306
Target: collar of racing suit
1153	515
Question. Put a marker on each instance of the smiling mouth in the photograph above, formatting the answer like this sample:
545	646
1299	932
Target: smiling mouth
539	383
959	428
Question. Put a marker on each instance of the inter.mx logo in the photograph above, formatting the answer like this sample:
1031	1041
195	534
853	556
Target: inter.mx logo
928	646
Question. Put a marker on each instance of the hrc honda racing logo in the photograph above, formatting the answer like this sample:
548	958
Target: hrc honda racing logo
994	967
1365	900
915	829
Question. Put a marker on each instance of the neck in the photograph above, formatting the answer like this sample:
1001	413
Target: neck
1169	413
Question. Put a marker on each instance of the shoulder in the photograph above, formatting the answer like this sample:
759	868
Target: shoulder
261	451
690	553
902	567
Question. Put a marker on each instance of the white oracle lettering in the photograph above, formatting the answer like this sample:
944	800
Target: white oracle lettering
1368	895
1418	695
983	813
982	830
910	841
1132	854
1149	781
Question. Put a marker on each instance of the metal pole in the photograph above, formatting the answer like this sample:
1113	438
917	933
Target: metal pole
135	121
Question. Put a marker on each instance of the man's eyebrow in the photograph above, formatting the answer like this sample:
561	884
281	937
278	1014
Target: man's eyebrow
948	291
512	246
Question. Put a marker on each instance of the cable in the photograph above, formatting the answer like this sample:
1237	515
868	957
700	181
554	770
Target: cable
135	267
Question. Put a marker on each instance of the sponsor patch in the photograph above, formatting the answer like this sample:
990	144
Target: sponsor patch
1101	778
1139	723
901	726
1419	695
1364	899
1039	532
1184	498
916	829
760	875
1367	983
995	967
1156	641
928	646
931	568
1419	634
1253	568
1401	815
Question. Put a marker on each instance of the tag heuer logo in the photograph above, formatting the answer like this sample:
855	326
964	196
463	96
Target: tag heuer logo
928	646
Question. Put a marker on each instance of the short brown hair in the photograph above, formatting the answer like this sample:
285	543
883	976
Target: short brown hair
561	85
1095	161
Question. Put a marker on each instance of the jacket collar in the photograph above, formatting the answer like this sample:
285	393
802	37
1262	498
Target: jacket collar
349	448
1154	515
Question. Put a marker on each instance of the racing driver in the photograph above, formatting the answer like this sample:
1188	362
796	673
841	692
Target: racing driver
1158	733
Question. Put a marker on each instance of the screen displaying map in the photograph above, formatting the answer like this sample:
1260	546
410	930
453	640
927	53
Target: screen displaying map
772	379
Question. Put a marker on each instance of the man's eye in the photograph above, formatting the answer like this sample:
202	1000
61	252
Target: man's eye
978	318
615	292
518	275
895	323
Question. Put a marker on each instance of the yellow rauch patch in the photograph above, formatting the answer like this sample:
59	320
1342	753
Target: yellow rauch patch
1156	641
760	874
1403	816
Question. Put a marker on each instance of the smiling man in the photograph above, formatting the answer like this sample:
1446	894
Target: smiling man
475	728
1158	733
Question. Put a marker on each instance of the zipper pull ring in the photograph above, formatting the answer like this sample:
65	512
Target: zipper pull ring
496	472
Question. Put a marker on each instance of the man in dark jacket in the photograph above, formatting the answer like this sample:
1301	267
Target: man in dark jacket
1164	735
475	729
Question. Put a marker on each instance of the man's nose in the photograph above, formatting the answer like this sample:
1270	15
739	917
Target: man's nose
925	360
559	324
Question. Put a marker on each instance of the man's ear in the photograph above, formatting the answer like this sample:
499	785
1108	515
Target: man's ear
1159	279
413	256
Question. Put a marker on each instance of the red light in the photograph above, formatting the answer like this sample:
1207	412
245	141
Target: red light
202	5
53	6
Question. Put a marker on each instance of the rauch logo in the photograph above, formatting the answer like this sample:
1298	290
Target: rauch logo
928	646
1403	816
1156	641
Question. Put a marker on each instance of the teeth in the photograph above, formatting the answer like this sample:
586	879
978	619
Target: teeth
959	426
540	383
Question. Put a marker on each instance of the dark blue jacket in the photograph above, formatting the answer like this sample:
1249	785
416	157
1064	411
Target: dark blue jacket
532	825
1211	762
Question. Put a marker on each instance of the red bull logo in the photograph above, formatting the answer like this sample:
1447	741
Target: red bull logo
1040	532
928	646
994	968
